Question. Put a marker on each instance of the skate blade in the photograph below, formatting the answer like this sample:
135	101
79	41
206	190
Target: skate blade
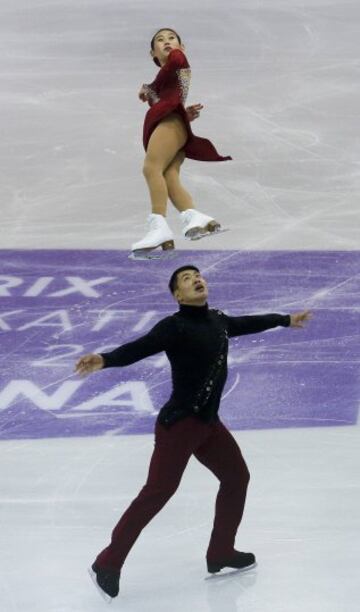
146	254
230	571
104	595
205	234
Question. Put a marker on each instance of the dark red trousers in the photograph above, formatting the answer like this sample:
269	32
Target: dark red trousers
214	446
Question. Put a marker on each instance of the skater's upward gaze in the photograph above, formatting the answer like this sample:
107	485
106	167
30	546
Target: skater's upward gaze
162	43
168	140
188	286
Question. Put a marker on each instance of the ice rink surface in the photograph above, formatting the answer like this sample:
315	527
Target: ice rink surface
280	84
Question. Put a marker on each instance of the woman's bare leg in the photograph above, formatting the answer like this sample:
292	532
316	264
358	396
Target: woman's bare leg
166	140
195	223
181	199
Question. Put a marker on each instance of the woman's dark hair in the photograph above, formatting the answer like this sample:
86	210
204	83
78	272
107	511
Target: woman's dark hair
173	279
152	44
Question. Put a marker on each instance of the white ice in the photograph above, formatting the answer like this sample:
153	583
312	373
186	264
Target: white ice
60	499
280	83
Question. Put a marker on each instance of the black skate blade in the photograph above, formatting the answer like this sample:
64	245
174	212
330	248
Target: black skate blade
104	595
201	235
227	572
145	255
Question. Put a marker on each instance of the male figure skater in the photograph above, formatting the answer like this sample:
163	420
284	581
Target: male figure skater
195	340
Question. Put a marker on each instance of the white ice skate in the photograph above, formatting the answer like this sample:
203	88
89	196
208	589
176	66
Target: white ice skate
158	242
196	225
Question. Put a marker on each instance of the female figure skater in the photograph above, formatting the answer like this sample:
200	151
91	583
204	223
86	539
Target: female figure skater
168	139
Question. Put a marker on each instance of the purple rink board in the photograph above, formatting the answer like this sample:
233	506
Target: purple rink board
58	305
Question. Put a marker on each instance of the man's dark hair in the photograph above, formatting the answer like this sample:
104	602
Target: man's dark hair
173	279
152	44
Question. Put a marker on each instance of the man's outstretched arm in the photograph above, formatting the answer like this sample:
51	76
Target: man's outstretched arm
252	324
155	341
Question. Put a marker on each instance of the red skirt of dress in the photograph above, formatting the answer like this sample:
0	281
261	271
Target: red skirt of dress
200	149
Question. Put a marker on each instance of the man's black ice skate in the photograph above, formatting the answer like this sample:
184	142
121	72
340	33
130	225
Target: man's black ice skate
106	581
239	560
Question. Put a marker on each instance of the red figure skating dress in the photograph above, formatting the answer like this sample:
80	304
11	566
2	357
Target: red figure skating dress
167	94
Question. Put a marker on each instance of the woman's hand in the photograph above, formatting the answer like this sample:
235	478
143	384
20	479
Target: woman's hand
193	111
143	94
88	364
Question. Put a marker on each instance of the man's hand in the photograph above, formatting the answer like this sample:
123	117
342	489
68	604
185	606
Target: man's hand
193	111
299	318
89	363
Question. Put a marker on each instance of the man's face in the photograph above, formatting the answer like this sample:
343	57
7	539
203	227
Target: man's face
191	288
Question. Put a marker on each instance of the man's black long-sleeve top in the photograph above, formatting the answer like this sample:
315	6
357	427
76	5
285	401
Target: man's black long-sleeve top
195	340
